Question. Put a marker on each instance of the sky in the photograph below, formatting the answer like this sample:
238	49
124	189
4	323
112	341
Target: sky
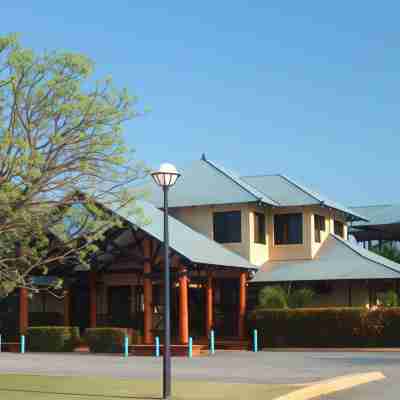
307	89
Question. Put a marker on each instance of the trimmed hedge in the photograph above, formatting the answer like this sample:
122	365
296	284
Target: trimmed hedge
52	338
327	327
106	340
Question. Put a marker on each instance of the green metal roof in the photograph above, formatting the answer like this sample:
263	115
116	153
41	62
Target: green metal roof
337	259
379	214
188	243
286	192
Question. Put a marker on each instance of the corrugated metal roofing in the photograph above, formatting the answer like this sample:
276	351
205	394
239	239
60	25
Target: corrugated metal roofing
286	192
206	183
337	259
184	240
379	214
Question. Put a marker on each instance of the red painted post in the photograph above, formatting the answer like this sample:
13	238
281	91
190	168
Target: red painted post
209	304
183	306
93	299
23	311
148	295
242	304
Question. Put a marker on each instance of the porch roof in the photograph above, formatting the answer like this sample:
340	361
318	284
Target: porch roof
337	259
190	244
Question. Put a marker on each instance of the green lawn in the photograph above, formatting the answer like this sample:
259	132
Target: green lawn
38	387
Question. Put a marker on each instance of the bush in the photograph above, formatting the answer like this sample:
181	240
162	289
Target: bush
52	338
327	327
106	340
272	297
300	298
390	299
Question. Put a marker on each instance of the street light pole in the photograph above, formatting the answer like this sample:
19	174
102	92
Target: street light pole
166	177
167	305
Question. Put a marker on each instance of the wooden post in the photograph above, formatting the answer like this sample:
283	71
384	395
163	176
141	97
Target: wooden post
67	313
209	304
148	295
242	304
183	306
93	299
23	311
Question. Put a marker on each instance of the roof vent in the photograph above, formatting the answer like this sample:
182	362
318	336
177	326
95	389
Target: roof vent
203	157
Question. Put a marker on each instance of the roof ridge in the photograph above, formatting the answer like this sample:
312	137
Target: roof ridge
360	253
300	187
259	175
238	180
375	205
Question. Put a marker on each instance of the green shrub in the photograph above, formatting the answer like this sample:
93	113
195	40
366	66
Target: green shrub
327	327
52	338
106	340
390	299
272	297
300	298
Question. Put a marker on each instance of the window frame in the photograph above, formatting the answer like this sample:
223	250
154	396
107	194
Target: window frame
319	227
301	231
337	223
227	239
259	228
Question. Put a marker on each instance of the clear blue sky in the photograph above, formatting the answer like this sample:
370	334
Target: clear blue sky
310	89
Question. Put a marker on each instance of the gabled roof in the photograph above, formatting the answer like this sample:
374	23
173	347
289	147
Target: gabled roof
188	243
379	214
337	259
206	183
286	192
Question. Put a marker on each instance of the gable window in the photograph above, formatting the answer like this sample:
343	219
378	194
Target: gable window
319	226
227	226
259	228
339	228
288	228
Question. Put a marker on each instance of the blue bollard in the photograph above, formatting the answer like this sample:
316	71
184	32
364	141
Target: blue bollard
157	346
190	347
22	344
212	342
255	341
126	347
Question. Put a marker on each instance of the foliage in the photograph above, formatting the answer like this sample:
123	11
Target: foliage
327	327
300	298
390	299
61	152
389	252
106	340
52	338
272	297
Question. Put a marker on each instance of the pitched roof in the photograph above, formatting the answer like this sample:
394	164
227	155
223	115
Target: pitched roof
337	259
206	183
286	192
190	244
379	214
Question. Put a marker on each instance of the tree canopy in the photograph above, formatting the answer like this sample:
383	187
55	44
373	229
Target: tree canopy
61	149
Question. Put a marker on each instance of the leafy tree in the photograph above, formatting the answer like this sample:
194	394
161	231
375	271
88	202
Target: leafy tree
61	152
389	252
272	297
300	298
390	299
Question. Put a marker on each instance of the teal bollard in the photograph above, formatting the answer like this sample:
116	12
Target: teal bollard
157	346
0	343
22	344
190	347
126	347
255	341
212	342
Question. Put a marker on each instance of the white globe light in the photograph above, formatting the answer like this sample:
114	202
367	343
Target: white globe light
166	176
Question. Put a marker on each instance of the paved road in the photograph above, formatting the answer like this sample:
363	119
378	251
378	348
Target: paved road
263	367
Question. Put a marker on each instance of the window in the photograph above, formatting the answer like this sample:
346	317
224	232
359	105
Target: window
319	225
228	227
288	228
339	228
259	228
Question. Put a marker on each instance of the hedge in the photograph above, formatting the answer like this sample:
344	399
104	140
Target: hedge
327	327
109	340
52	338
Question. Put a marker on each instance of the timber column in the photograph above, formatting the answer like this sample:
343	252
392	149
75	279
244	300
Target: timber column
209	304
23	310
93	299
183	306
242	304
147	295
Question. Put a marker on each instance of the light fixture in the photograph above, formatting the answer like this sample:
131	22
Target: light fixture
166	176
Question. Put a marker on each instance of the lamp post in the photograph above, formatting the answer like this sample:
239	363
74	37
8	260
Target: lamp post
166	177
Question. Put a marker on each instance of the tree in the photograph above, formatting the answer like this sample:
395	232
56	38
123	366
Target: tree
300	298
61	152
272	297
387	251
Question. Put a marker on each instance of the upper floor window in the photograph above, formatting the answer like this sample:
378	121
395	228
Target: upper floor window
288	228
228	226
259	228
339	228
319	226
